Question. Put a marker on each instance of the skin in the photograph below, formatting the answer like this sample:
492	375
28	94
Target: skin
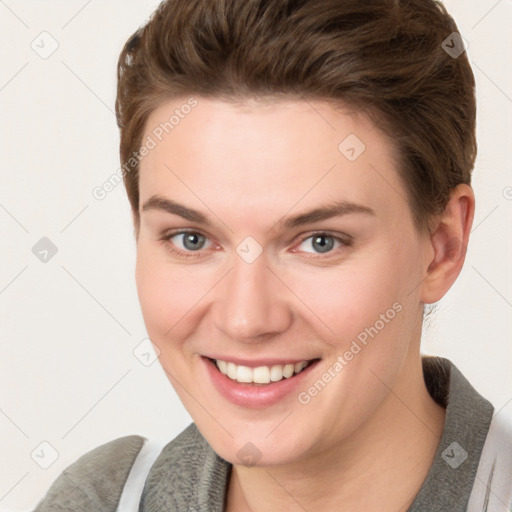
245	167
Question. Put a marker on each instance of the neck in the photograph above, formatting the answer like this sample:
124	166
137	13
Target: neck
393	450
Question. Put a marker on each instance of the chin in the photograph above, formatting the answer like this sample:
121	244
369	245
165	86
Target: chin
257	444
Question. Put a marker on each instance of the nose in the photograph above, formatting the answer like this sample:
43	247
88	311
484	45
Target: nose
251	304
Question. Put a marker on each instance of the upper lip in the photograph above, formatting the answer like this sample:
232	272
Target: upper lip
254	363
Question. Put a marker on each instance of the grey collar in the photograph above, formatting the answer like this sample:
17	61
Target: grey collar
189	476
468	415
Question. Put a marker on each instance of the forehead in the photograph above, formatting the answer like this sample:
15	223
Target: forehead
267	155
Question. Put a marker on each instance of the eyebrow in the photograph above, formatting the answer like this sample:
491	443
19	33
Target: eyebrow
324	212
167	205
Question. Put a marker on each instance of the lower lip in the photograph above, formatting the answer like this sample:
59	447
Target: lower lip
252	395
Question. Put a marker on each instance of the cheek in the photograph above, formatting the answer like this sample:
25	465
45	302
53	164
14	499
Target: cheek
169	295
364	311
344	301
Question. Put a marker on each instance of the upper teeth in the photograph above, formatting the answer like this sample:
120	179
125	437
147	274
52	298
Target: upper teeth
260	374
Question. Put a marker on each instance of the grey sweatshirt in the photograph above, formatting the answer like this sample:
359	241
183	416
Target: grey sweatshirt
188	476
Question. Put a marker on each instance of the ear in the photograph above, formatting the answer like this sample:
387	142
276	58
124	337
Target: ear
447	244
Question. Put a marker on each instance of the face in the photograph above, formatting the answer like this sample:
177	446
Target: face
271	238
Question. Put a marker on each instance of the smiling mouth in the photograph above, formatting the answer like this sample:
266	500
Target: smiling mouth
260	375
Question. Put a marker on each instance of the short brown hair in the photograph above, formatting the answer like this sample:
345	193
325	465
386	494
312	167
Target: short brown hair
385	57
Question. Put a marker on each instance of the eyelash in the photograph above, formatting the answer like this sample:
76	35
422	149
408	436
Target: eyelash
345	242
186	254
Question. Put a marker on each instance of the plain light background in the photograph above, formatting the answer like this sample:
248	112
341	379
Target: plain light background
69	377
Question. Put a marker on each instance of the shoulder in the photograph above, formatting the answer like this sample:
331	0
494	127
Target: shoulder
96	480
492	490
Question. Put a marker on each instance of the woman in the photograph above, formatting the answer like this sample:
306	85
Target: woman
299	176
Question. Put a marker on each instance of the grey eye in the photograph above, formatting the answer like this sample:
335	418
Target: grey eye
322	243
319	243
191	241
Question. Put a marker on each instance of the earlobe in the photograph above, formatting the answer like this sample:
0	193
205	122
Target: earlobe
448	243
